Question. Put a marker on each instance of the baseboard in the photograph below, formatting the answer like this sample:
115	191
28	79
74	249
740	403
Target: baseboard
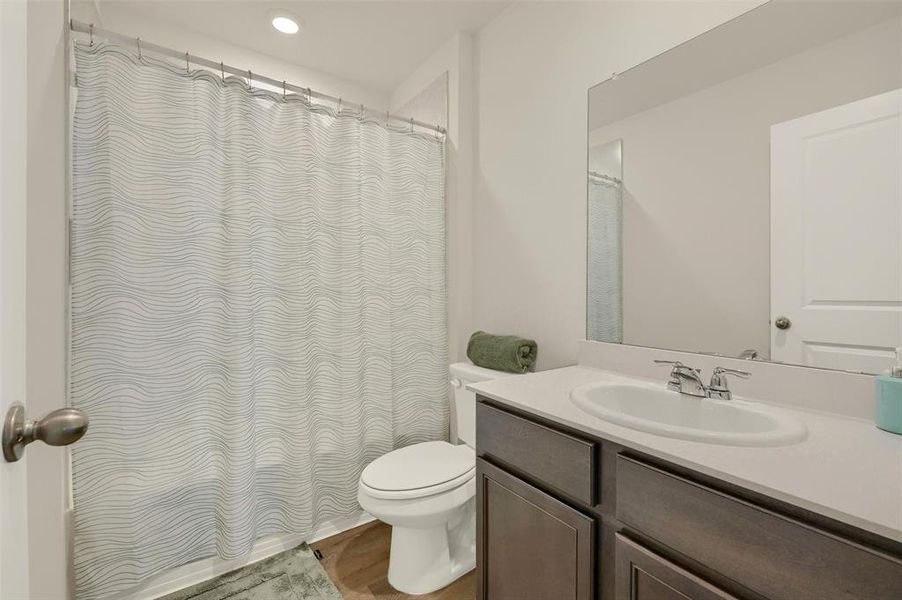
340	526
201	570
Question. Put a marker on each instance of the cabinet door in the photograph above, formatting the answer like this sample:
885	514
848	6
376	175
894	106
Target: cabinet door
530	546
643	575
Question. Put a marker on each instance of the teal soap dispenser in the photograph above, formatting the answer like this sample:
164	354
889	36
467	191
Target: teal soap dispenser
888	415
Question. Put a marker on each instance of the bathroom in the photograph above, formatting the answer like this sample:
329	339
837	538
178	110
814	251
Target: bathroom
451	300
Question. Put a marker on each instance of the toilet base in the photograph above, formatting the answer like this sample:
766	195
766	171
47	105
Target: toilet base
424	560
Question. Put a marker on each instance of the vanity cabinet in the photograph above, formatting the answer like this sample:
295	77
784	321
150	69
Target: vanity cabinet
563	516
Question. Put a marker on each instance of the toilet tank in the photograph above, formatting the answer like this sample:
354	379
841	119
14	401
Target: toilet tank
463	401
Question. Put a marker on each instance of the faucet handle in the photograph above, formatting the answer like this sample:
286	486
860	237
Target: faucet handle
678	367
736	372
719	387
675	363
674	383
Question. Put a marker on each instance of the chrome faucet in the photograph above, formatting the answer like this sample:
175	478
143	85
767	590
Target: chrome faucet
687	380
684	379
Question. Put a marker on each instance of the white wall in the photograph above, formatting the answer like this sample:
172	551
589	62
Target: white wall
696	177
535	62
455	61
430	105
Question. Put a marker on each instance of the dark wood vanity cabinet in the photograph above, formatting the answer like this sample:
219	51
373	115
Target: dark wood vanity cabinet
562	516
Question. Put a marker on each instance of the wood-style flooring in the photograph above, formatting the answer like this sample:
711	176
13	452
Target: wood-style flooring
357	562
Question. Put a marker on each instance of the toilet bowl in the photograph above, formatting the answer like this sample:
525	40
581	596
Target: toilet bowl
426	493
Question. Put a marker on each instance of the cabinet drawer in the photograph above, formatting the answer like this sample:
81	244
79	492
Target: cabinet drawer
773	555
643	575
562	461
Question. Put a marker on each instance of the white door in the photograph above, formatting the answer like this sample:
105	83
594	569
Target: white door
836	236
13	509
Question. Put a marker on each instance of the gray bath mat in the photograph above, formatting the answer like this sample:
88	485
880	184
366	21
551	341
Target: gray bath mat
291	575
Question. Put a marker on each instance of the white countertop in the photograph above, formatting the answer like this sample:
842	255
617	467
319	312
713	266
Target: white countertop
846	469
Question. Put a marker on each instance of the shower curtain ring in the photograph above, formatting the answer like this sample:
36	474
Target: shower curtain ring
339	105
387	119
309	96
187	64
91	33
284	94
222	70
138	43
411	124
250	80
362	111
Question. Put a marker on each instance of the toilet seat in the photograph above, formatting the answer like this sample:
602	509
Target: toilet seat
419	470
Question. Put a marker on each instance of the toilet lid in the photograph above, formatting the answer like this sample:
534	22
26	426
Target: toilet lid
424	465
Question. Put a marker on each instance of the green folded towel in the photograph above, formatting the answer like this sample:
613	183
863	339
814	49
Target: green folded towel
502	352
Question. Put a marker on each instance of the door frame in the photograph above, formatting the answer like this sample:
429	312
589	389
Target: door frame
46	255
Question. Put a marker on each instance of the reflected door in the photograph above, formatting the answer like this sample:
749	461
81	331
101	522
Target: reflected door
836	236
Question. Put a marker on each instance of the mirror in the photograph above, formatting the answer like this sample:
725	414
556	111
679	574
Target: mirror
745	191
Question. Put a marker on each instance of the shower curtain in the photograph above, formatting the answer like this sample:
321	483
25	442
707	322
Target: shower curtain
258	310
604	298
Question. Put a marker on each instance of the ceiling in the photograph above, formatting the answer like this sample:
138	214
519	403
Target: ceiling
374	43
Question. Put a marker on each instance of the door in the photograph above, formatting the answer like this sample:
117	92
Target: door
13	510
530	546
33	499
643	575
836	236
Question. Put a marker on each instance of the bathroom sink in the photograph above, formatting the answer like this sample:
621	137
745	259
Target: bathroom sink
671	414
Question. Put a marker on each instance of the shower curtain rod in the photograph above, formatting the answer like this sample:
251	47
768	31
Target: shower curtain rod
604	177
141	45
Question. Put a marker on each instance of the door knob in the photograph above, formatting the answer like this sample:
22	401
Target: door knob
782	322
60	427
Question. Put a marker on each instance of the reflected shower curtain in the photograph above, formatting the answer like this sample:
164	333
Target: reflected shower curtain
257	311
604	296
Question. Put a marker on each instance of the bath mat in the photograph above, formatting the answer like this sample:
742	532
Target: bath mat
291	575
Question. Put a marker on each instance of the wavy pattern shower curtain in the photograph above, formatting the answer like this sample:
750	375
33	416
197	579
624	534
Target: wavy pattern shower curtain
257	311
604	273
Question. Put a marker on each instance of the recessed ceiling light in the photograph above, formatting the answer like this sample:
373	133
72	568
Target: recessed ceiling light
285	24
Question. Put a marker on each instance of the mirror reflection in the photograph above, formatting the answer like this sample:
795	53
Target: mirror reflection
744	191
604	261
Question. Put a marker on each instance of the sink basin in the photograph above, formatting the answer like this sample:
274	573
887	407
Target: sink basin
671	414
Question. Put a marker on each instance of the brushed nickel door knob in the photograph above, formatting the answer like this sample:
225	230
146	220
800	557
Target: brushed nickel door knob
782	322
60	427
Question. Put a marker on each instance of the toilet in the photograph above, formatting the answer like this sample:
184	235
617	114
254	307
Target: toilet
426	493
